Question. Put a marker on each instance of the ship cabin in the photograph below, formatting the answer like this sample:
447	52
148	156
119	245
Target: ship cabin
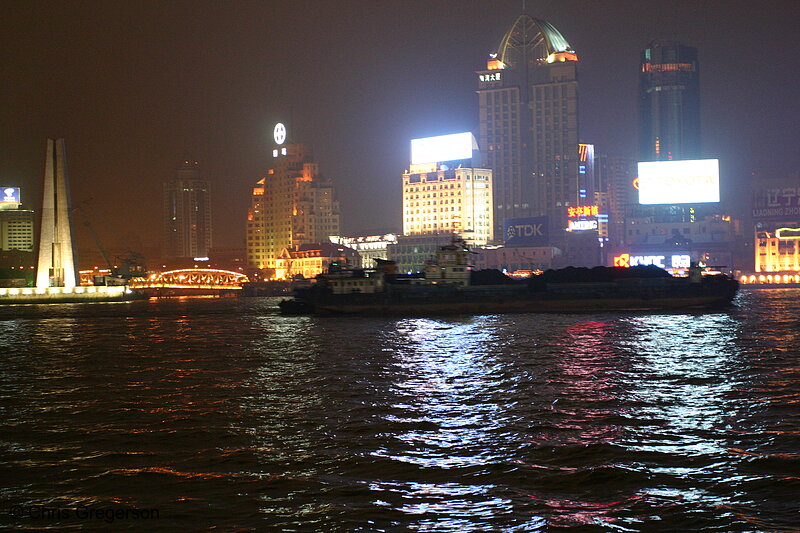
354	281
451	266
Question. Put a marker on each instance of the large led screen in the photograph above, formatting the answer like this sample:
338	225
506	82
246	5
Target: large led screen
679	182
451	147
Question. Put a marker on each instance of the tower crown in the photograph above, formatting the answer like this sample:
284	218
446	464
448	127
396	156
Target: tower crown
532	40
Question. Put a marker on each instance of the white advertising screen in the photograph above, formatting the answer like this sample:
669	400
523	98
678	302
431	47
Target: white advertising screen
679	182
442	148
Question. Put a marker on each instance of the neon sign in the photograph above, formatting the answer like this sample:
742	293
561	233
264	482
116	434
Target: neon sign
581	225
489	77
583	211
675	261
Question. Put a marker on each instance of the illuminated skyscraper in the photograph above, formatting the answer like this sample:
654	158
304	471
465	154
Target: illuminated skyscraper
291	206
669	102
187	212
528	100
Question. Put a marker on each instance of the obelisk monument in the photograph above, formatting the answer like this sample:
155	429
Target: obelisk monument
56	266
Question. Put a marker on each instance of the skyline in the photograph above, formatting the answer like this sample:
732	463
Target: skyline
134	96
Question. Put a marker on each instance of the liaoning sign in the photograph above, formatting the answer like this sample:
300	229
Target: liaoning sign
530	231
781	204
663	261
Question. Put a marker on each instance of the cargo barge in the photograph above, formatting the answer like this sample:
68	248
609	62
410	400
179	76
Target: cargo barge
450	286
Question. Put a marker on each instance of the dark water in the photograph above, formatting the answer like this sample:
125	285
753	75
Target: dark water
220	414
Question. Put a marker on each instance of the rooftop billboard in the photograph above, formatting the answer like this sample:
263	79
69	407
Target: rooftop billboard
679	182
9	197
530	231
453	147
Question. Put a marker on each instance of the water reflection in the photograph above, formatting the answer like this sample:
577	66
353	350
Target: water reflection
227	415
681	384
442	373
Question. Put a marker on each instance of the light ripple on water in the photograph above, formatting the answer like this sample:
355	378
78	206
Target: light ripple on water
222	413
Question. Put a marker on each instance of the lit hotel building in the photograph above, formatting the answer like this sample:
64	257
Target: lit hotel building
291	206
528	101
447	195
16	225
187	213
776	213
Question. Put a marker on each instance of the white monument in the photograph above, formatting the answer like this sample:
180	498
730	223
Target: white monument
56	267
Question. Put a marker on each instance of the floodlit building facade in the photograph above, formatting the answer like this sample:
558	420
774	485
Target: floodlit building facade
776	213
187	214
440	200
16	225
292	206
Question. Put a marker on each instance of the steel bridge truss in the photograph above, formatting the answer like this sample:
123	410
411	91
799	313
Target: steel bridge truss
192	278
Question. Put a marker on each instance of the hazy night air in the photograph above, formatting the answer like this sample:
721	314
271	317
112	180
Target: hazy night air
135	89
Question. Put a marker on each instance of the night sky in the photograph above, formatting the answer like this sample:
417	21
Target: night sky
137	87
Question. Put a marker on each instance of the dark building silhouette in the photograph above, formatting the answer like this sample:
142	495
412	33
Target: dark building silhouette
669	102
187	214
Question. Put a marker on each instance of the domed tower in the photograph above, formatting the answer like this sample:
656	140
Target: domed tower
528	101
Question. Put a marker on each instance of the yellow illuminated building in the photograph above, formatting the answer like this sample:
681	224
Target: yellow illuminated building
440	200
291	206
778	251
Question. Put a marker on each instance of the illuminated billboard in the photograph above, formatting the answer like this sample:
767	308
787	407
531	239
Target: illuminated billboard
451	147
779	204
671	260
530	231
582	225
679	182
9	195
583	211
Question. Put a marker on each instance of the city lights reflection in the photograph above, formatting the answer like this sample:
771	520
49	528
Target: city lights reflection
441	370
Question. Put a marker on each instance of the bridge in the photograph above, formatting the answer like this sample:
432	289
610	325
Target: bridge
203	279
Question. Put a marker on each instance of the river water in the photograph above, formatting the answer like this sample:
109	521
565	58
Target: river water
197	414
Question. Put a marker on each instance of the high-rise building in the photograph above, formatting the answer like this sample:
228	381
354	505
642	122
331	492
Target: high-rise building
56	264
528	100
669	102
452	201
615	176
669	130
187	214
446	190
16	230
16	225
292	206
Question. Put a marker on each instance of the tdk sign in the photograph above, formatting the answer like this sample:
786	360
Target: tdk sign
526	231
